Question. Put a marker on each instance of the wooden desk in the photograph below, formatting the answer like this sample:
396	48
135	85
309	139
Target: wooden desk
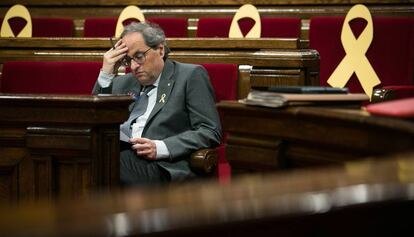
267	61
364	199
265	139
59	146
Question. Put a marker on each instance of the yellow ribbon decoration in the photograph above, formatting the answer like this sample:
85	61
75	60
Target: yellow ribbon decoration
250	11
355	49
129	12
162	99
17	11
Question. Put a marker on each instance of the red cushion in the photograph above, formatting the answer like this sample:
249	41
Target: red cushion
99	27
173	27
49	77
52	27
105	27
271	27
391	52
213	27
281	27
223	78
44	27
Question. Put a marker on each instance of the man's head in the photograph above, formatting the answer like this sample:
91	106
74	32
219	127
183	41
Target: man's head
147	50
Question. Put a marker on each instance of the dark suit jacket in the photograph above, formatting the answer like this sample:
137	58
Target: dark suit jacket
187	119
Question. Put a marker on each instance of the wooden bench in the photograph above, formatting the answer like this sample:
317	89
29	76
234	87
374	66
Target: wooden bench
262	61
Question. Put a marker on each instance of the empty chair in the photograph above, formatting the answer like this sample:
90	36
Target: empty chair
391	52
272	27
49	77
105	27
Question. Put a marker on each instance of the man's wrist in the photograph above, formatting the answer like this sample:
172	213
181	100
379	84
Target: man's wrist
162	150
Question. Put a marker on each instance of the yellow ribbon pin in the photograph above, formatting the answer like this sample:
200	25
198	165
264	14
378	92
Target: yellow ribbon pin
355	49
162	99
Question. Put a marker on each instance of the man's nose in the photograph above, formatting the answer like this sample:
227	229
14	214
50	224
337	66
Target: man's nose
135	64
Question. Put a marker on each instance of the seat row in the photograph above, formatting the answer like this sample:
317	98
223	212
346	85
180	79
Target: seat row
173	27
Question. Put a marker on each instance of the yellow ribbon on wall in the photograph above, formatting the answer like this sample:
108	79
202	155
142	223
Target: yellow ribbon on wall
355	49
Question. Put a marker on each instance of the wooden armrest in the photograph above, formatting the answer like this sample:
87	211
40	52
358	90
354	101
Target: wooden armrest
204	161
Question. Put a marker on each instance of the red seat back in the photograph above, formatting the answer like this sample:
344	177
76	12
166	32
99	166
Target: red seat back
44	27
272	27
224	79
49	77
391	52
105	27
52	27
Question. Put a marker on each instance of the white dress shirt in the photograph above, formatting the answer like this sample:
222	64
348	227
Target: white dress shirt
105	79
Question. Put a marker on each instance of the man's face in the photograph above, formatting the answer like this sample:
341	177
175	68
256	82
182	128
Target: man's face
147	63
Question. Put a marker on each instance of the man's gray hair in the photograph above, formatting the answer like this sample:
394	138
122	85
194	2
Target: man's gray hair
152	33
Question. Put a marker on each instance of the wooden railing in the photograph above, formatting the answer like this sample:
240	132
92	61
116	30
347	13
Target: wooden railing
262	61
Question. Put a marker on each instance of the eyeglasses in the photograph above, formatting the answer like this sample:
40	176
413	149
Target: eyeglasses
139	57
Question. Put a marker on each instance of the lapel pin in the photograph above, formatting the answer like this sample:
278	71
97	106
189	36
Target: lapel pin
162	99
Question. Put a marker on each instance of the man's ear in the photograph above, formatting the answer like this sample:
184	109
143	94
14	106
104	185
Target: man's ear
161	47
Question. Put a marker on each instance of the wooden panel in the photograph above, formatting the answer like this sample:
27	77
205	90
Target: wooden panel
58	145
308	136
194	3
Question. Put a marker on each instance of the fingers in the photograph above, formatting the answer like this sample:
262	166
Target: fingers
112	56
144	147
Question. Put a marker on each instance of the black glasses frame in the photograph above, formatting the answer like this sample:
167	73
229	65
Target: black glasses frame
139	57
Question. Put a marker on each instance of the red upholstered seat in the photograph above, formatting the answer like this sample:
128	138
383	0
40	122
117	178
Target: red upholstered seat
391	52
49	77
52	27
44	27
173	27
105	27
99	27
272	27
224	78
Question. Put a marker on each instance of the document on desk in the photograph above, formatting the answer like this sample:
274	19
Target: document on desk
277	100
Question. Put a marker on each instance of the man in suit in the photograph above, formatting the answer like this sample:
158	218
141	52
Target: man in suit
180	116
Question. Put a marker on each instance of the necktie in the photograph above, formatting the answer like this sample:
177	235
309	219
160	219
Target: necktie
138	110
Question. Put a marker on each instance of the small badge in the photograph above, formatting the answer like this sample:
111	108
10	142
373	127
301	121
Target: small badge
162	99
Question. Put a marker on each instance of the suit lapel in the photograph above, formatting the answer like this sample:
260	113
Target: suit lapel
164	88
133	89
